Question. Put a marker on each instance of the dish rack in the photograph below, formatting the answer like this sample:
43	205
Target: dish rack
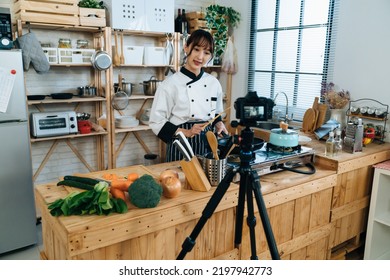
369	109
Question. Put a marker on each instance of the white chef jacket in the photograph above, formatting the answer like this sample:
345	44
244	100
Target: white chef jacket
184	97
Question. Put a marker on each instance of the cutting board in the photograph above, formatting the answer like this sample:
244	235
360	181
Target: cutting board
322	108
316	111
308	120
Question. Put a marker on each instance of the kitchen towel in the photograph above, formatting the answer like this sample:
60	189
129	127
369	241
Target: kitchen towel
32	52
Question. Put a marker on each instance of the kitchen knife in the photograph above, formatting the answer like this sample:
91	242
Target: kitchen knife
182	150
184	141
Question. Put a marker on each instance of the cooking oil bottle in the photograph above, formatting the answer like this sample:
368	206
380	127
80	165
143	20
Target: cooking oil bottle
329	145
338	143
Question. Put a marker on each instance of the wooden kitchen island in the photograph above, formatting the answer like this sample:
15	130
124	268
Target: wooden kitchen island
319	216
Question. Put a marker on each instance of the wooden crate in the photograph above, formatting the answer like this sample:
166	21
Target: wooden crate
47	11
196	20
92	17
195	15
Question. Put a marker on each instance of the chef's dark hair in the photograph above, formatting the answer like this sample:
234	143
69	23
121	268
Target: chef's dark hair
201	38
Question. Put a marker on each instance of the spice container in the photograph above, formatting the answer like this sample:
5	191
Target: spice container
65	43
82	44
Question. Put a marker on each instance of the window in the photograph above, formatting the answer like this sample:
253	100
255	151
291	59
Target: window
291	50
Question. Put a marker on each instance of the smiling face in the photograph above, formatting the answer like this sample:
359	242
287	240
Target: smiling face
199	49
197	58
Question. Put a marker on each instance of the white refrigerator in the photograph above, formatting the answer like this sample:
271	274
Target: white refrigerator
17	207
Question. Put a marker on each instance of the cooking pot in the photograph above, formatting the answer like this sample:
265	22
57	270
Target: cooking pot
151	86
86	91
126	87
101	60
283	137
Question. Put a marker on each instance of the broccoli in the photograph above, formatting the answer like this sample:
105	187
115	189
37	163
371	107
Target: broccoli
145	192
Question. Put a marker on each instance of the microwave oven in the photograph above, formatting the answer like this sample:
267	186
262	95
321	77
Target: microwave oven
53	123
5	29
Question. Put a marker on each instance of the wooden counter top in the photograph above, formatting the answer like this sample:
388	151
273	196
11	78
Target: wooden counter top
305	210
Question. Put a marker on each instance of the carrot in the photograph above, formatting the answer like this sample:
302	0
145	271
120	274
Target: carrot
109	176
121	184
117	193
132	176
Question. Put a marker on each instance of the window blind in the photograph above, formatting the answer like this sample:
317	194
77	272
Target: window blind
292	50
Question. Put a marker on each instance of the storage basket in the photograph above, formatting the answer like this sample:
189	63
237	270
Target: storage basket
75	56
133	55
151	15
51	55
47	11
154	56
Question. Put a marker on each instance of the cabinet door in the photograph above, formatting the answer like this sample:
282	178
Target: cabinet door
378	228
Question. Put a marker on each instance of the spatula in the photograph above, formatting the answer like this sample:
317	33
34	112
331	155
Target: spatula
116	59
122	57
213	142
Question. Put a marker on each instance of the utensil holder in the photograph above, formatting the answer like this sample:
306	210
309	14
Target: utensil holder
214	169
195	175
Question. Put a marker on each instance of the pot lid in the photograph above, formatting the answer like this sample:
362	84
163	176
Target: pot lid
284	130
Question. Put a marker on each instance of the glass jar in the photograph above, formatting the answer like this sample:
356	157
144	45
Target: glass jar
65	43
82	44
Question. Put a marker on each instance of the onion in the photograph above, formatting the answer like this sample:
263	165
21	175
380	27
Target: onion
168	173
171	186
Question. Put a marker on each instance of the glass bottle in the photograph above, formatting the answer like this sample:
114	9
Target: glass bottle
338	143
185	24
65	43
82	44
178	22
329	145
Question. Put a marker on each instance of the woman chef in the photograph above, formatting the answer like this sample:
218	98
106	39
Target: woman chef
188	99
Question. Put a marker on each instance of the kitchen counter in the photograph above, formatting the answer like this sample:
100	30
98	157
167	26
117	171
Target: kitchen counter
311	216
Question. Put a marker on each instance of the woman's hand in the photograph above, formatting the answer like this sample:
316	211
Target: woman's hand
196	129
220	128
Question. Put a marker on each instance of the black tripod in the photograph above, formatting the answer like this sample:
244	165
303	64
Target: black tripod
249	184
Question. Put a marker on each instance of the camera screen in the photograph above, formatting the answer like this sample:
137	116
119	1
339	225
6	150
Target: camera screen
253	112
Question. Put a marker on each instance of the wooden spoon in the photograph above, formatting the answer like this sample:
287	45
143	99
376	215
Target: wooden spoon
122	57
212	139
116	59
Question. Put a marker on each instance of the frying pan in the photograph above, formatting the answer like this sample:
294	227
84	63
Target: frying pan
101	60
257	144
36	97
62	95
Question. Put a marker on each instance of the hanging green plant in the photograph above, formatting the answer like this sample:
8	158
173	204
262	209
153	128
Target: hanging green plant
218	20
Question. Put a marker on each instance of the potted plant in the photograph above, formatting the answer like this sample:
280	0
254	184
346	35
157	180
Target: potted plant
92	4
219	19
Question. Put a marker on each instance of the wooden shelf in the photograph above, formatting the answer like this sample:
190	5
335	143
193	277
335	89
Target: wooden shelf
60	27
71	65
367	117
143	66
132	129
49	100
70	136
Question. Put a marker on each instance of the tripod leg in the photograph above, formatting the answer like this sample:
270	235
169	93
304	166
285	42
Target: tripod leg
264	217
240	209
208	211
251	221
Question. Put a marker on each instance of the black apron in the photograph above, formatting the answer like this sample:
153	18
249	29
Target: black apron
198	143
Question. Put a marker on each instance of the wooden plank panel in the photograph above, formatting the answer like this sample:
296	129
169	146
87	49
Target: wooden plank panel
182	232
298	191
364	161
301	216
300	242
349	208
320	208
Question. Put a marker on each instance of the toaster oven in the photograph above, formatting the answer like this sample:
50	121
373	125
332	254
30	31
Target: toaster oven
53	123
5	29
